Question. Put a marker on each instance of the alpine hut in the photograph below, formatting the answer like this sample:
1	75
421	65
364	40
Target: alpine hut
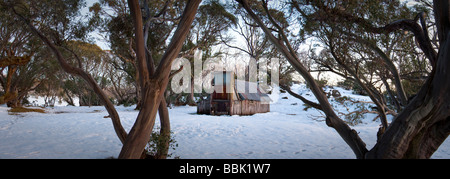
234	97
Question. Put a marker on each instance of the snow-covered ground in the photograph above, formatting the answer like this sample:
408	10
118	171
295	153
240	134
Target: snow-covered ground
286	132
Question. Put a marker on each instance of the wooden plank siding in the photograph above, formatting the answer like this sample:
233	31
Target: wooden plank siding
248	107
244	107
230	100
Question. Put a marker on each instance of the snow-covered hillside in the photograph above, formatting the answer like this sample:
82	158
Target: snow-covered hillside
288	131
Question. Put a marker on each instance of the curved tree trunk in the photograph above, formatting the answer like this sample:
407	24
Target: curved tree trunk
162	151
425	123
154	86
349	135
120	131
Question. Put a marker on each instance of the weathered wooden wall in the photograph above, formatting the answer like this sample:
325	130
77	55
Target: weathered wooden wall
247	107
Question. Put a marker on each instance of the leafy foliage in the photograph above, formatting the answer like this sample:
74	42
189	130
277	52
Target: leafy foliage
157	142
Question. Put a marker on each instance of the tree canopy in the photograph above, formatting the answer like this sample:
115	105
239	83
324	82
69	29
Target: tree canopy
396	52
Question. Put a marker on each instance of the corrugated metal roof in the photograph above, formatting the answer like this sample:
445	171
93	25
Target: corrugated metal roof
250	91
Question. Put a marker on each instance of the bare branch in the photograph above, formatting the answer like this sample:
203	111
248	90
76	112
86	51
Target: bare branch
120	131
404	24
349	135
306	101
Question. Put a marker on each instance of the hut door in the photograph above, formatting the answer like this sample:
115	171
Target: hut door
222	81
222	106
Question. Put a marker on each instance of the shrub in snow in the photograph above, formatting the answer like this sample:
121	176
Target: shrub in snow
156	143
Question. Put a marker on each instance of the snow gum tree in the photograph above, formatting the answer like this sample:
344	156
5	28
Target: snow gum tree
424	122
54	23
153	86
